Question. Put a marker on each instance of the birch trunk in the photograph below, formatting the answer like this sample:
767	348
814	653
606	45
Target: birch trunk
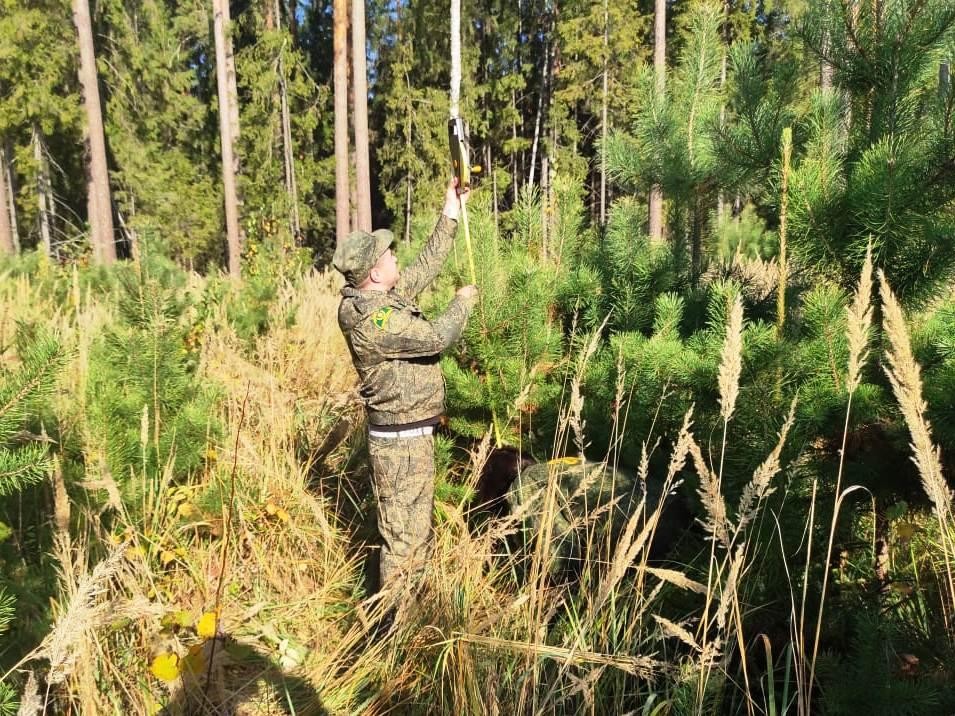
291	184
6	230
538	118
10	198
45	194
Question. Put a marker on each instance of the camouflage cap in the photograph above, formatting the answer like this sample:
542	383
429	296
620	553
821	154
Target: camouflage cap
359	252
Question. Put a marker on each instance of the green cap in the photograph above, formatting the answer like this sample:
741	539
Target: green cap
359	252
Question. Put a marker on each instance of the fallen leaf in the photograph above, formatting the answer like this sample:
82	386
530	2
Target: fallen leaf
206	626
165	667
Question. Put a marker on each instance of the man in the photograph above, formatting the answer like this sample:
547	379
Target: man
396	350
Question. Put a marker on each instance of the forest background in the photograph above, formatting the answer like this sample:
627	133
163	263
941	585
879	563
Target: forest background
715	244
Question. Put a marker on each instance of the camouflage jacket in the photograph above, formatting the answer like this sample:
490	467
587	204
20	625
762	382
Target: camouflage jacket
396	349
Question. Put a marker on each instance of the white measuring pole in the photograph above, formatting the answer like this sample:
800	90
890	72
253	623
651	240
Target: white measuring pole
455	58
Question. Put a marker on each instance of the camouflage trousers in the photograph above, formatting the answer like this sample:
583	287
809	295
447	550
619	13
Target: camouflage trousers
403	479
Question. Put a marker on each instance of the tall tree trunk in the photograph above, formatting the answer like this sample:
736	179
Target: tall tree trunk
787	142
6	230
825	67
720	199
226	138
99	200
545	206
515	169
340	55
292	15
231	83
6	166
408	209
45	194
603	118
489	163
539	117
291	184
360	98
408	180
659	68
352	193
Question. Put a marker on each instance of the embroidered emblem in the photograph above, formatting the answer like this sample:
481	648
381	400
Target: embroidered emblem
381	316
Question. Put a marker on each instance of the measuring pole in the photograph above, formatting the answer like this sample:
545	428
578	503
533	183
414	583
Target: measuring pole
457	130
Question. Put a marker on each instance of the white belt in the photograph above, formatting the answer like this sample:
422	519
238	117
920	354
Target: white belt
409	433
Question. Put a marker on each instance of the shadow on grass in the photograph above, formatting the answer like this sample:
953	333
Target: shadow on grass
244	681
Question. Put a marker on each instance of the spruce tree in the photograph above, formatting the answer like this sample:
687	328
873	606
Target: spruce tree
267	59
158	117
40	114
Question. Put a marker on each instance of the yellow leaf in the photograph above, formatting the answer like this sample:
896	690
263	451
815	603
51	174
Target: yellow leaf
271	509
165	667
282	514
166	557
206	626
187	510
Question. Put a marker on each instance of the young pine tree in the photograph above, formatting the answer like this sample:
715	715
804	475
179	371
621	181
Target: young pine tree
24	462
877	163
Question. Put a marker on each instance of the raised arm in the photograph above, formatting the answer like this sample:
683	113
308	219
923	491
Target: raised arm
426	267
402	335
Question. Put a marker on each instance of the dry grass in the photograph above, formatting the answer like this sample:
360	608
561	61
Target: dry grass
473	637
905	377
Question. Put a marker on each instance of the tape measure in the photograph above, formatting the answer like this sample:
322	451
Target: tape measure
459	142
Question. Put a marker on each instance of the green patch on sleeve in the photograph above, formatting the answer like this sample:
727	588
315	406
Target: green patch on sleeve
381	316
